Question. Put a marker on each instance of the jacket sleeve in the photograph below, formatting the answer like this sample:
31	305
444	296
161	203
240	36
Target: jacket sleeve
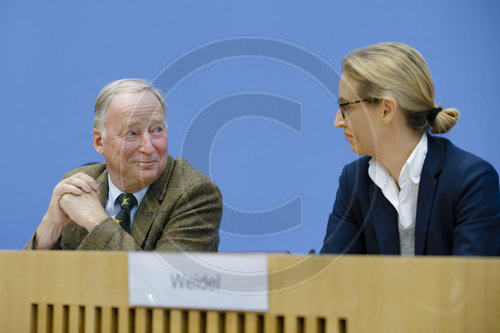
477	227
31	244
193	224
344	234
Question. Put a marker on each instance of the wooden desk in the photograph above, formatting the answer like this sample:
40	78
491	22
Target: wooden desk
87	292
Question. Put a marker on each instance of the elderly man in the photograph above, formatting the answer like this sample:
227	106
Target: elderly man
141	198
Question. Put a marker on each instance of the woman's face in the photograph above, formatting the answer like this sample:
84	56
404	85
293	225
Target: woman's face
360	123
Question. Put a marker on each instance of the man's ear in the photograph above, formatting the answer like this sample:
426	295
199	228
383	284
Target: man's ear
97	139
389	107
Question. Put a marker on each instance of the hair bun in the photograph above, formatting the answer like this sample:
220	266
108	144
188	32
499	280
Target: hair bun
432	113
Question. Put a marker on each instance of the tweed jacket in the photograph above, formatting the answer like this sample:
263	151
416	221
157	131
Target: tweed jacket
181	211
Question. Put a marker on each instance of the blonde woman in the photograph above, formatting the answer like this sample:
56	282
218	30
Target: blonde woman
413	193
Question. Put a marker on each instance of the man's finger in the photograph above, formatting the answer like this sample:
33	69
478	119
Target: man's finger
89	180
83	181
71	189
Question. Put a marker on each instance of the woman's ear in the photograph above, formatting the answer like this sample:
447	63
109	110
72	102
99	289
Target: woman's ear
388	110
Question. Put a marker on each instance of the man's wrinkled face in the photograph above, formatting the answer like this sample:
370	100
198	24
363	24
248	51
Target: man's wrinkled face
135	145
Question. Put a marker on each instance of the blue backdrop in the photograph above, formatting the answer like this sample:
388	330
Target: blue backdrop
250	87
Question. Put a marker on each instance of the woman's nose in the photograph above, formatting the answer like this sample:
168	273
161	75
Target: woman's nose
339	119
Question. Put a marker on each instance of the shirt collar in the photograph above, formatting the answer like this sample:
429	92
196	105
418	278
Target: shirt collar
415	162
114	192
409	173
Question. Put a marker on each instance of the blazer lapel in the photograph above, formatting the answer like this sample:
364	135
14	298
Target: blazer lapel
102	180
384	218
150	205
427	191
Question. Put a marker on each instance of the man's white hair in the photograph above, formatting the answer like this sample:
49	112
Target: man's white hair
124	85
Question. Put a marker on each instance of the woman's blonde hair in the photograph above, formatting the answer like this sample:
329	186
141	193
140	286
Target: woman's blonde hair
399	71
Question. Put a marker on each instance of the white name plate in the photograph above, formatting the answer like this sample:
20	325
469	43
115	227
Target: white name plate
237	282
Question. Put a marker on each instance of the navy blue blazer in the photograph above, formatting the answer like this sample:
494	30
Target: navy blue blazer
458	208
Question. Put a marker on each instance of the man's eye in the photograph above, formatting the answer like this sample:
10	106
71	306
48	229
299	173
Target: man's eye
131	133
158	130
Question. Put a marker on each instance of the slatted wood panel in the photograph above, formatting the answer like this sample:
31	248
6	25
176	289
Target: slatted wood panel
57	318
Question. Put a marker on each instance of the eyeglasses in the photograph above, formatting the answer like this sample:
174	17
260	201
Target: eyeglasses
344	107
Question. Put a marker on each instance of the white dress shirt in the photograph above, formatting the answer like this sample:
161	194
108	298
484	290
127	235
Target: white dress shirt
113	207
404	200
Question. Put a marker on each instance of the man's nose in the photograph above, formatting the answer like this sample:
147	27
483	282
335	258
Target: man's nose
339	119
146	143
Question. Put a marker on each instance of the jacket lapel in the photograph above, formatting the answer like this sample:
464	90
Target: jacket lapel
102	180
427	191
384	218
150	205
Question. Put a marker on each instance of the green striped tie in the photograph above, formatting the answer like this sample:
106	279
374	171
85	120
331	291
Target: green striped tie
126	201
